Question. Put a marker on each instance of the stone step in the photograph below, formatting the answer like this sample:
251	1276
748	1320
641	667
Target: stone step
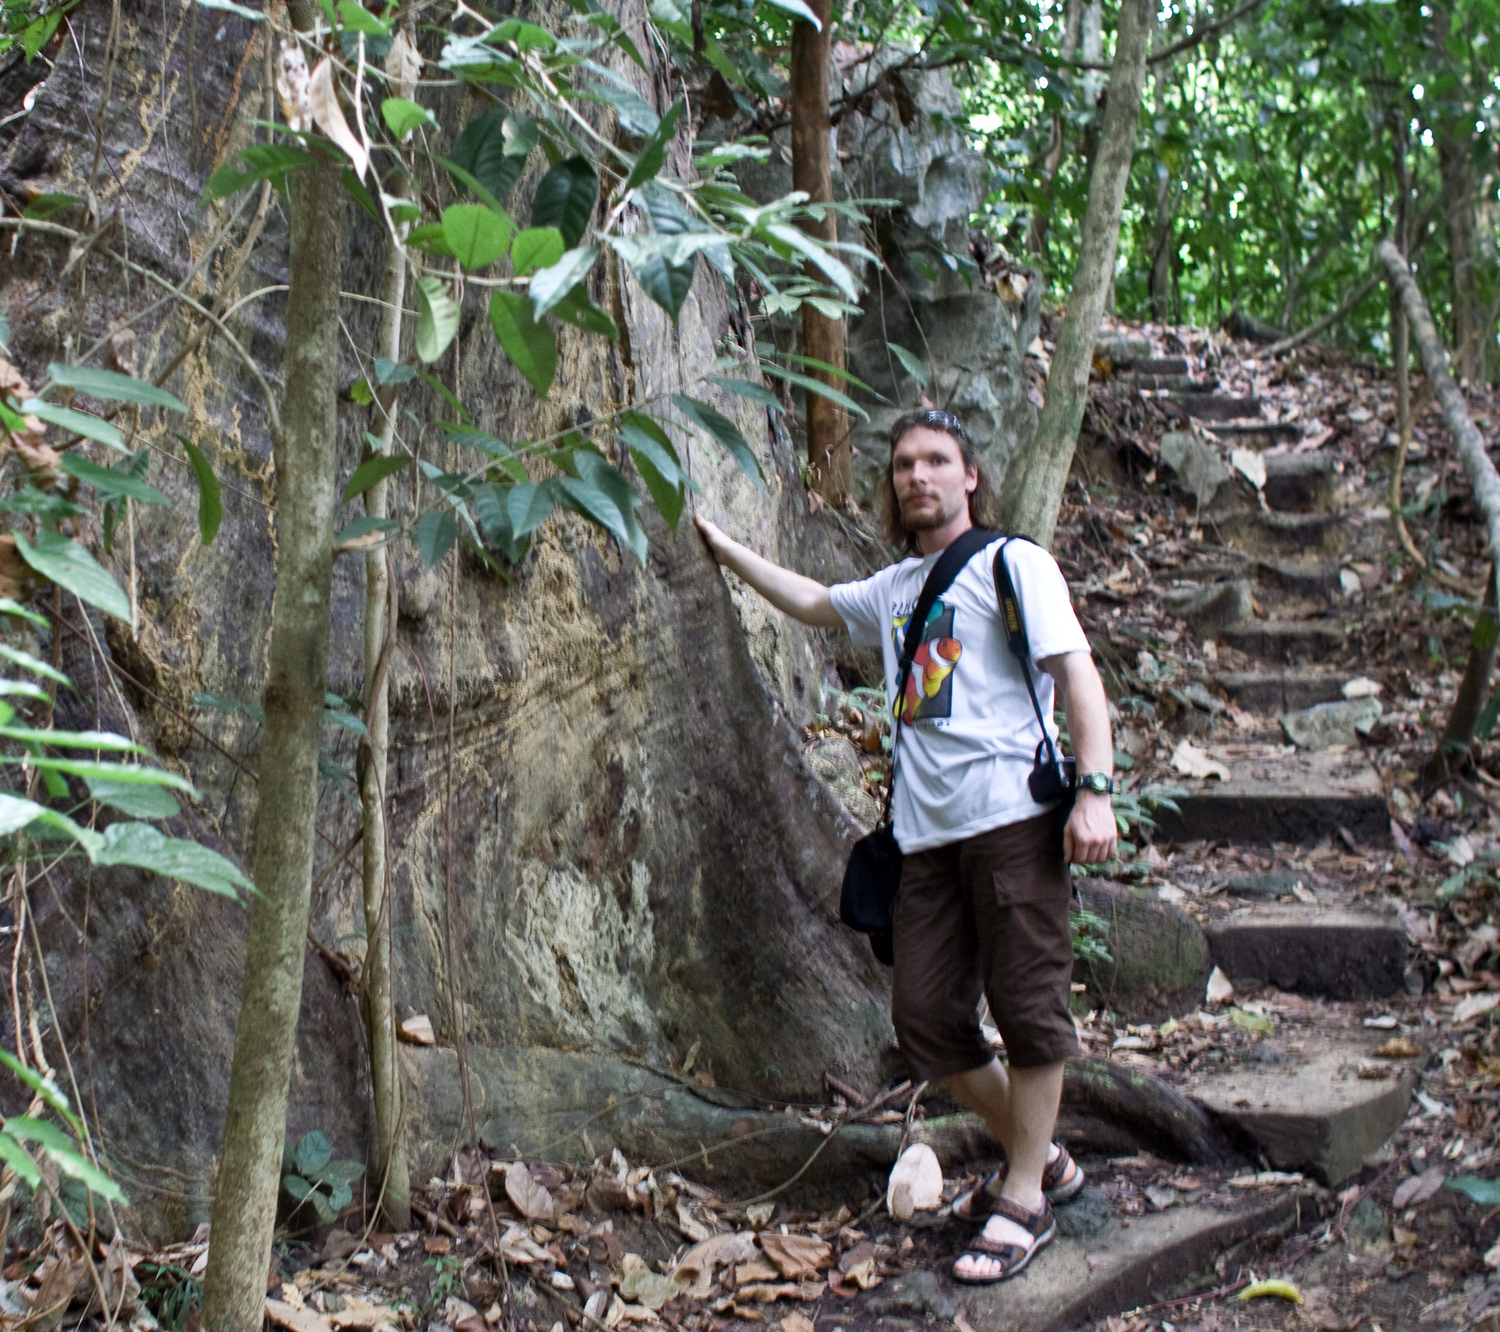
1272	693
1218	406
1327	952
1298	798
1100	1263
1175	383
1301	482
1282	533
1286	640
1257	434
1309	1109
1314	578
1160	365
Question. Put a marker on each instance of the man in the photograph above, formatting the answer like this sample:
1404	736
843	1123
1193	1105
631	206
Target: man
985	887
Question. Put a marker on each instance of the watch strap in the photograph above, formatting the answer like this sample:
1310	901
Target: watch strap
1100	782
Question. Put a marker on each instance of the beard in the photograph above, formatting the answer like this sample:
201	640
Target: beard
930	518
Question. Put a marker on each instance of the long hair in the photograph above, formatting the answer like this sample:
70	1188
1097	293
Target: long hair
981	498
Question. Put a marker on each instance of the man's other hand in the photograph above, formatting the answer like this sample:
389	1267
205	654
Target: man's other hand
1090	837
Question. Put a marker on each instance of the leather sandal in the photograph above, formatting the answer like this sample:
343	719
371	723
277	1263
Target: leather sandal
1056	1184
1012	1258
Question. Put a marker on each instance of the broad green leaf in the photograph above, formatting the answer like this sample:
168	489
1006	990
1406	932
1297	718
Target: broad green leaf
600	493
363	533
80	423
388	371
530	345
22	689
17	813
141	846
1486	1192
814	386
444	392
10	606
359	19
374	469
654	151
521	134
664	282
19	1159
575	308
140	802
911	363
265	161
43	1087
565	199
475	235
134	773
340	1195
536	247
345	721
631	109
345	1171
49	205
230	707
299	1188
325	1209
657	462
229	7
362	195
482	151
64	1153
74	570
429	237
743	388
437	318
820	255
402	116
838	372
105	740
551	284
436	533
721	429
313	1152
210	502
108	386
109	482
33	664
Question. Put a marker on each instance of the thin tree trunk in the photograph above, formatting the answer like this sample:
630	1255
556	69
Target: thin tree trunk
1052	156
1458	220
1033	496
1483	478
829	449
1166	209
380	632
244	1211
1452	755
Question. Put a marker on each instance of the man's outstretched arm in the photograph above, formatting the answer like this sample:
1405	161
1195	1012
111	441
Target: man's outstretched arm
802	598
1090	836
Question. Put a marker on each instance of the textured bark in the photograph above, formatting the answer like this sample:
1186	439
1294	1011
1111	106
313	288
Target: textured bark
1034	487
829	448
1162	252
1484	480
285	836
1452	753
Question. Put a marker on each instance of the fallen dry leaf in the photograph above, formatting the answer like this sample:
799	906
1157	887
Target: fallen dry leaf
292	88
323	98
1417	1189
1474	1005
530	1198
757	1269
296	1320
639	1283
916	1183
1398	1047
797	1255
1191	761
417	1030
1219	991
403	66
796	1322
694	1274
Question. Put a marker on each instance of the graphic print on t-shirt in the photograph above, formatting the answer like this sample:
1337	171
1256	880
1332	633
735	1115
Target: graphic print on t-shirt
929	689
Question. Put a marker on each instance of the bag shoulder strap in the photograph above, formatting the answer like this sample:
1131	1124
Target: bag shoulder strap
1015	634
939	579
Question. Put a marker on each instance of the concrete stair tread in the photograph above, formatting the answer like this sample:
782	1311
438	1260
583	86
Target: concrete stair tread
1298	798
1332	952
1083	1277
1286	640
1275	691
1218	406
1257	434
1276	533
1312	1112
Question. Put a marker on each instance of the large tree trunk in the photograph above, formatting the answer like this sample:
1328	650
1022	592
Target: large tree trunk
1034	486
249	1176
829	448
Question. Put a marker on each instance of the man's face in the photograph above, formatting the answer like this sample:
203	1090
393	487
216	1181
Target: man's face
932	483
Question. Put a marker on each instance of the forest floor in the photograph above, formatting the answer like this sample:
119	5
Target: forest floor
1169	518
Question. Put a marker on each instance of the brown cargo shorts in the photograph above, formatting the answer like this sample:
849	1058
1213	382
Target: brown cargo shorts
988	914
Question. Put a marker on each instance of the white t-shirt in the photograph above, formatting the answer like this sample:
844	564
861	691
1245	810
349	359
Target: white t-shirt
969	740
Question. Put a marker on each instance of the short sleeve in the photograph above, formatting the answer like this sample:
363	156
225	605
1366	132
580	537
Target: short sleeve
1051	625
862	608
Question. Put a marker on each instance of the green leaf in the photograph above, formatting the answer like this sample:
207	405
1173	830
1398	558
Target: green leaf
264	161
536	247
531	346
1252	1022
631	109
64	1154
664	276
600	493
48	205
654	151
346	1170
388	371
565	199
74	570
33	664
109	482
10	606
135	773
38	33
313	1152
482	150
820	255
210	503
299	1188
22	689
229	7
80	423
374	469
346	721
19	1160
1486	1192
437	318
475	235
575	308
17	813
402	116
911	363
144	847
140	802
814	386
103	740
436	533
108	386
340	1195
359	19
660	469
43	1087
722	430
359	534
552	284
323	1207
801	10
743	388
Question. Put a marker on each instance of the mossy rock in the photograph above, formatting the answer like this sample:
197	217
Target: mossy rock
1161	956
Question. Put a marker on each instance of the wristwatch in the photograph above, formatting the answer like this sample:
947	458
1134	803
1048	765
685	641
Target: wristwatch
1098	782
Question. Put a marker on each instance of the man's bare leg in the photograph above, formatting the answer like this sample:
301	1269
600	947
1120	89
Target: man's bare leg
1020	1108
